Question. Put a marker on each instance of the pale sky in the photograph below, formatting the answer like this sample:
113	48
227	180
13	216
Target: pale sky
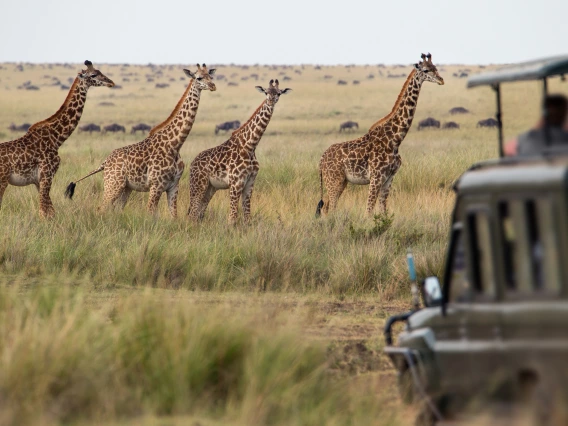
288	32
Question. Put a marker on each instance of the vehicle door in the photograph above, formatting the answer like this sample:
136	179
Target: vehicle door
484	341
536	311
450	328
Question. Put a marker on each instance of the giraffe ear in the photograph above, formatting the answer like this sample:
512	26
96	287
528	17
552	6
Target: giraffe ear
260	89
417	66
212	72
286	90
189	73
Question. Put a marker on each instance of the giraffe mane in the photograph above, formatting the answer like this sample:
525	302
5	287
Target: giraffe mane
167	121
397	103
61	108
250	119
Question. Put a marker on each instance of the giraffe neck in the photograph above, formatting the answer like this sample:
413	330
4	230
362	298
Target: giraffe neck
250	133
178	125
397	123
62	124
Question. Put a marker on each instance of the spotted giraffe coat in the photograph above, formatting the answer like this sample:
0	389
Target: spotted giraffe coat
233	164
373	159
33	159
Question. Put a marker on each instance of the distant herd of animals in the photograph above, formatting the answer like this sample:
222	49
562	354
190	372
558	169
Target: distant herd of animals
431	122
118	128
154	165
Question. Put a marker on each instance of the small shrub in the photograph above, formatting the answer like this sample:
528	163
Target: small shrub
382	222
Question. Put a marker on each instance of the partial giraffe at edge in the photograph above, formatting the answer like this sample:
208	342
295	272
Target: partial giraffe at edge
233	164
373	159
33	158
154	164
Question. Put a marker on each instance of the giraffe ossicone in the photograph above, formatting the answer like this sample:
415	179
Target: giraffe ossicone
154	165
33	158
233	164
373	159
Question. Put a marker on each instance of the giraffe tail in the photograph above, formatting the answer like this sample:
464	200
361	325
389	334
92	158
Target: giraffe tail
320	204
70	191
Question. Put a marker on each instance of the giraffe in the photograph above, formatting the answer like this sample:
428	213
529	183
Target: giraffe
373	159
154	164
233	164
33	158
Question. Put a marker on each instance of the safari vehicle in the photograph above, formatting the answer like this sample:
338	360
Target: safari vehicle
496	330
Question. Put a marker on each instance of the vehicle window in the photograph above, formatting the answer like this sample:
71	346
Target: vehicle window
460	287
509	244
536	251
529	245
479	233
521	258
544	251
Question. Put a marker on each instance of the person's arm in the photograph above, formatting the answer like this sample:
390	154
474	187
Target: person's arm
511	148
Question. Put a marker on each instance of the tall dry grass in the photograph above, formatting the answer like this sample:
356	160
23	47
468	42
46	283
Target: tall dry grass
284	249
84	340
145	355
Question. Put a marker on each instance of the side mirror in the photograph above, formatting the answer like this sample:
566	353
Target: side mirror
431	292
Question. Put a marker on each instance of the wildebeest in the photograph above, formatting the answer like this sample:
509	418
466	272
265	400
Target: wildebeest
227	125
114	128
451	125
459	110
488	122
91	127
348	125
428	122
341	82
142	127
23	128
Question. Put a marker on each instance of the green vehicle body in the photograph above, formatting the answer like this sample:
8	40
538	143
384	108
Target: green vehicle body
500	329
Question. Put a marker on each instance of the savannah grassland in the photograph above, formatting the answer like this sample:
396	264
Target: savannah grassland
124	318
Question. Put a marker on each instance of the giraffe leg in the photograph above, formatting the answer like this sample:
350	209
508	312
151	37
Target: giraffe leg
234	194
114	189
3	185
246	196
172	192
374	188
155	194
198	187
172	195
46	173
385	189
124	196
334	191
206	198
46	209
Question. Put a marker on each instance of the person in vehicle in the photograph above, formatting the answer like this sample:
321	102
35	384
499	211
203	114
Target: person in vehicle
550	131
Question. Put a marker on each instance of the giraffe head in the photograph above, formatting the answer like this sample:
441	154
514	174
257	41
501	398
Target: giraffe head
427	71
203	78
273	92
94	77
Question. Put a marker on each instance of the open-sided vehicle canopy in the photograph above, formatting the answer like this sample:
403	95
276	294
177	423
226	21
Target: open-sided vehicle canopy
539	69
533	70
